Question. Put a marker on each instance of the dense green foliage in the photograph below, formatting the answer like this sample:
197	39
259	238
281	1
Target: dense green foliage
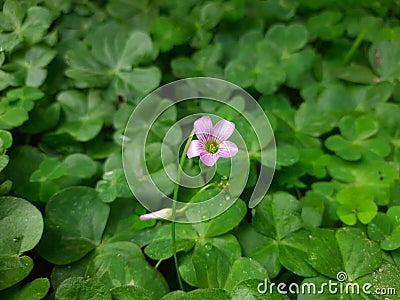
326	73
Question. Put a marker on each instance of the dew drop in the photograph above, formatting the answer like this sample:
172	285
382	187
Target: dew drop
16	239
208	246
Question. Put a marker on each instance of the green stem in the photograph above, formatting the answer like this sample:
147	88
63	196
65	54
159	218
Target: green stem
354	47
175	197
196	195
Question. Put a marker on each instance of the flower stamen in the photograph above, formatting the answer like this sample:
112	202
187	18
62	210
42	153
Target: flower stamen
212	147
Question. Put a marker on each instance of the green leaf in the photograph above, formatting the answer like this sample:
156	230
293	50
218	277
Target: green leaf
379	227
167	33
34	290
122	263
261	248
223	223
278	215
281	10
113	60
33	63
287	39
25	24
356	203
243	269
74	224
344	250
385	228
200	294
13	269
293	251
37	21
79	165
14	107
357	139
5	139
377	176
112	186
21	223
130	293
80	288
286	155
85	116
161	246
312	210
383	277
324	254
384	58
326	25
50	168
43	117
250	289
360	255
118	49
211	265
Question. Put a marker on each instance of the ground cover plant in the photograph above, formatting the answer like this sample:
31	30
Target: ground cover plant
325	73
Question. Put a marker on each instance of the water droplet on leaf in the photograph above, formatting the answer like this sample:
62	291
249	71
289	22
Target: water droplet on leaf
208	246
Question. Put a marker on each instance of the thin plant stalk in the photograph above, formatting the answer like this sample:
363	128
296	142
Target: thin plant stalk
175	197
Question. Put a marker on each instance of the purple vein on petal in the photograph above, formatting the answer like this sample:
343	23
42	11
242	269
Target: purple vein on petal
196	148
227	149
203	128
223	130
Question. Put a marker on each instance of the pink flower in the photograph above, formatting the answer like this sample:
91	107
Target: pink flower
160	214
212	141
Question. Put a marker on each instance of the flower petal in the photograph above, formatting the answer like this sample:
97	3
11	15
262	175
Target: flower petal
203	128
227	149
196	148
223	130
209	159
160	214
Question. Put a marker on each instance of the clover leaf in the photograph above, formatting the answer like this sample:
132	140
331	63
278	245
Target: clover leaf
123	263
385	229
326	25
34	290
275	238
357	139
204	62
167	33
114	60
29	68
14	107
113	185
74	224
373	175
206	244
85	115
384	59
344	250
23	24
49	169
21	227
278	57
82	288
5	143
187	235
356	203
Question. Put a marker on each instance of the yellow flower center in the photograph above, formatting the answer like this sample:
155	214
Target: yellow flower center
212	147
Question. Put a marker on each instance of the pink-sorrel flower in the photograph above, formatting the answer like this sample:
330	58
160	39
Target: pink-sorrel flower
212	141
